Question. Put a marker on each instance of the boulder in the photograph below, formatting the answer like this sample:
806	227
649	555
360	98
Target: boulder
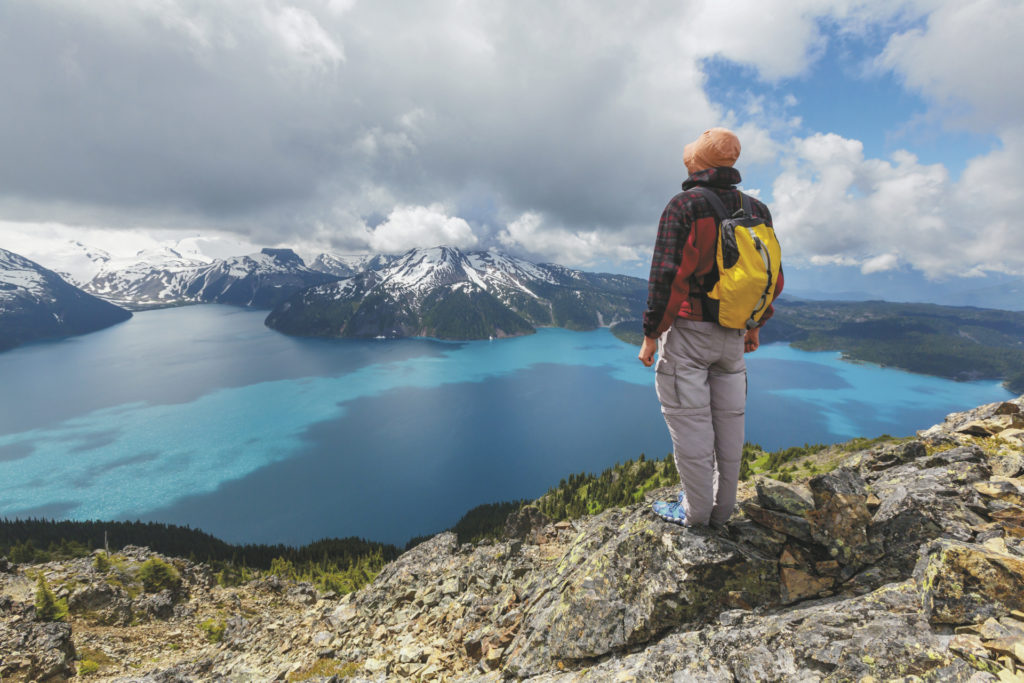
792	499
302	594
757	537
156	606
1001	488
627	580
926	499
781	522
45	652
841	520
964	583
879	636
1007	463
106	603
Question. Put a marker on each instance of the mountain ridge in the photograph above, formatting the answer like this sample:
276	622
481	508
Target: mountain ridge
446	293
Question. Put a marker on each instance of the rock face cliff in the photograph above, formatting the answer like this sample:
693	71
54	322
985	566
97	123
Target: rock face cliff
906	561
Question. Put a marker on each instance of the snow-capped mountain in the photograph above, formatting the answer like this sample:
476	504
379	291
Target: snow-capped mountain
157	278
347	265
259	280
447	293
36	303
79	263
166	277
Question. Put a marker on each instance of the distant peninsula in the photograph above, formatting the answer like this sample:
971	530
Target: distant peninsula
956	342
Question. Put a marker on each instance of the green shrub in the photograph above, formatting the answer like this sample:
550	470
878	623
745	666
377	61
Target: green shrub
234	575
281	567
156	575
214	629
87	667
48	607
101	561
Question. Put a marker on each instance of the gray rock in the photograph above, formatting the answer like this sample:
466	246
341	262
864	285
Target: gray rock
780	522
1004	464
45	652
789	498
841	520
751	535
841	480
882	634
918	505
157	606
629	579
964	583
302	594
108	604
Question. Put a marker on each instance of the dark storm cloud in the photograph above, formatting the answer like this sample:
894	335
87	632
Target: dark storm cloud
275	117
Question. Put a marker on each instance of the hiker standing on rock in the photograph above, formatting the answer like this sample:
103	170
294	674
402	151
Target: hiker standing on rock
714	273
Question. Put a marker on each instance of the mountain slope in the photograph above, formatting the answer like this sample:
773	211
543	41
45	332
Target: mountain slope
258	280
449	294
156	278
165	277
343	265
36	303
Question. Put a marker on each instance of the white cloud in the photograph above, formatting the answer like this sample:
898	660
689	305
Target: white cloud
834	205
407	227
967	53
880	264
569	247
303	36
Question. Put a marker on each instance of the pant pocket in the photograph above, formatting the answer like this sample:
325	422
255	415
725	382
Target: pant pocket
692	389
665	385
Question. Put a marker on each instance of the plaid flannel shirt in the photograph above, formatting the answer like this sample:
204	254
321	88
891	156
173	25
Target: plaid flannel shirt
684	251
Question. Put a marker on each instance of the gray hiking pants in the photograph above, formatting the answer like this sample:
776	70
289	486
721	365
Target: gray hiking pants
701	382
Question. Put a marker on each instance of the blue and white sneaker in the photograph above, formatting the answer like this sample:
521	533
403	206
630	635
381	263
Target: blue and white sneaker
671	512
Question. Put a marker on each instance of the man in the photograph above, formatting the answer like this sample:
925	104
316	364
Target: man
701	377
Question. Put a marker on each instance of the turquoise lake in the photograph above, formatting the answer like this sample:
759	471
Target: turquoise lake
203	416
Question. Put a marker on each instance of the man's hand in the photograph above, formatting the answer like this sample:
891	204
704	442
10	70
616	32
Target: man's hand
647	350
751	341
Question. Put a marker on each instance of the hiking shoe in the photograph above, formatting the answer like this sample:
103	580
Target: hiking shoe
671	512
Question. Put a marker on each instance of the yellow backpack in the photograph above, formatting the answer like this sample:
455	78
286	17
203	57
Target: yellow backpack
748	257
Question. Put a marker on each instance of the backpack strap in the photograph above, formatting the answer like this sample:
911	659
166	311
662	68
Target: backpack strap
745	204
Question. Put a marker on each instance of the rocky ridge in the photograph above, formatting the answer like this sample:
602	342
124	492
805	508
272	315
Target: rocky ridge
905	562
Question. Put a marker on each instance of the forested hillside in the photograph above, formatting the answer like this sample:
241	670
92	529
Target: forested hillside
956	342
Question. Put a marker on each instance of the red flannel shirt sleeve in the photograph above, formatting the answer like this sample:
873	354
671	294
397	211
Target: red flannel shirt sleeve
673	232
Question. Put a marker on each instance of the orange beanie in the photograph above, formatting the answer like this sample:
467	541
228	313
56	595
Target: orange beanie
715	147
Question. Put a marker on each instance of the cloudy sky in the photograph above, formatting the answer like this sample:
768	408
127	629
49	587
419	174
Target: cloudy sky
884	135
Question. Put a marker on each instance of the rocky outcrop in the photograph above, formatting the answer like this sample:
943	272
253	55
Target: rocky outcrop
906	560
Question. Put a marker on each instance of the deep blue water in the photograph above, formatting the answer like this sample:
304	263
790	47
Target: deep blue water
203	416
